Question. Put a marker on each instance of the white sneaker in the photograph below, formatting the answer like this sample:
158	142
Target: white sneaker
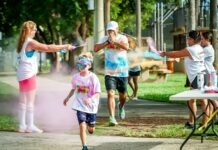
22	129
34	129
134	98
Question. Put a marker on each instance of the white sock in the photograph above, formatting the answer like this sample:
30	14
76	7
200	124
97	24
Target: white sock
30	118
30	122
22	117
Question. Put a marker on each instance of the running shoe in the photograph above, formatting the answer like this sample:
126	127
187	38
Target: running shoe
134	98
189	125
112	121
121	112
85	148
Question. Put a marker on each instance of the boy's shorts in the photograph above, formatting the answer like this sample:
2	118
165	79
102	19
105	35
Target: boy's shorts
116	83
90	119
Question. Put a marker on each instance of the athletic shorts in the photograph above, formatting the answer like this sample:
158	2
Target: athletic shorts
116	83
28	85
88	118
134	73
194	83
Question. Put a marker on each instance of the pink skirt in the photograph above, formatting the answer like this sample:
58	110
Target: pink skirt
28	85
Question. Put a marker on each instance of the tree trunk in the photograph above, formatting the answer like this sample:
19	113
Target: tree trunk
77	40
213	27
192	15
83	28
197	13
107	6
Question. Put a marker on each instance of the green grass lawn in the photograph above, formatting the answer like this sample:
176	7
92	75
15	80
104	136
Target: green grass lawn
7	93
161	91
157	91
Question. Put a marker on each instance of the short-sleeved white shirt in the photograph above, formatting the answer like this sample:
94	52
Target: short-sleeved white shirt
195	64
85	87
209	58
116	62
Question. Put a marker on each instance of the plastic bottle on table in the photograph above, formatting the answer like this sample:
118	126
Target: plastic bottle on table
214	79
200	80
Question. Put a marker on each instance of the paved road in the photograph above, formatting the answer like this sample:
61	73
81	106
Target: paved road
62	129
60	141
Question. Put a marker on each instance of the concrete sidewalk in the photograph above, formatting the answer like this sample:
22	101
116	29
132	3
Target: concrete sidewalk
61	141
62	129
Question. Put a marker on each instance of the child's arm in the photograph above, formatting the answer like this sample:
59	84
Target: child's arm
89	100
68	97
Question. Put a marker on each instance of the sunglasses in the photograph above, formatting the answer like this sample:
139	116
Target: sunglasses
81	66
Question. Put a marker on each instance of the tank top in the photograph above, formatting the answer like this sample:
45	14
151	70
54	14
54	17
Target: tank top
26	65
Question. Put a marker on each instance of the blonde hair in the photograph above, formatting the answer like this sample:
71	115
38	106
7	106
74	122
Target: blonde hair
87	54
26	29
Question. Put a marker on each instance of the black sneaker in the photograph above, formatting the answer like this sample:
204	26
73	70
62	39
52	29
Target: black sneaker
189	126
85	148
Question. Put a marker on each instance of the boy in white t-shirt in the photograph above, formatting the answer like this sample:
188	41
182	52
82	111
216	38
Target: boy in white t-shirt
86	94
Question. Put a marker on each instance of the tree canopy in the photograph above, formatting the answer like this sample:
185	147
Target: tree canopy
67	21
63	18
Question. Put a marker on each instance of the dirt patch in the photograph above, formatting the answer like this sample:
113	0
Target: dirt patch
146	121
136	127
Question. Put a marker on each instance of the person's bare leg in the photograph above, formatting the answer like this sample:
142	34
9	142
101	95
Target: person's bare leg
122	99
193	107
111	102
211	109
135	82
214	105
91	129
130	84
205	109
83	135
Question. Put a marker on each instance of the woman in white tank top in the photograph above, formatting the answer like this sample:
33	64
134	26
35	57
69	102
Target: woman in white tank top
26	73
194	63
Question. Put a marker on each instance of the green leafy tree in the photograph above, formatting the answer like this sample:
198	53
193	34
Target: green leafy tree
69	21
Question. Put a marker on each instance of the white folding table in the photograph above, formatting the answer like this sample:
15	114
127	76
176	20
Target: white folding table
196	94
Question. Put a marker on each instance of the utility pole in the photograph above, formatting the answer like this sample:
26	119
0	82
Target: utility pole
213	27
192	15
99	31
158	26
99	20
138	23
